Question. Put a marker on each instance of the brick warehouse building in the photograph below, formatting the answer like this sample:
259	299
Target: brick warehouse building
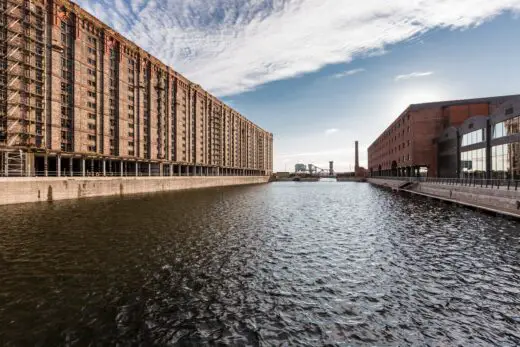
77	98
408	146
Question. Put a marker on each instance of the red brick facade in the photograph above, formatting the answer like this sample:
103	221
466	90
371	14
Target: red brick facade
79	90
408	145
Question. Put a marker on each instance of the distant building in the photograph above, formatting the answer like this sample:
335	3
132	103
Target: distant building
300	168
282	174
408	147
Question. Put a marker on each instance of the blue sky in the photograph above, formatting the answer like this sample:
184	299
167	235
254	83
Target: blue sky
321	74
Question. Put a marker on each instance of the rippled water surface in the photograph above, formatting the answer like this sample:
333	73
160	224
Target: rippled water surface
279	264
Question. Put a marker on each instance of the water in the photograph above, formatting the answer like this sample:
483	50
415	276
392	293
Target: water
279	264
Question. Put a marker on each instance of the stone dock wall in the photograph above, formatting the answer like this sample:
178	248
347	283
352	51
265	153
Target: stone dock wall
23	190
502	201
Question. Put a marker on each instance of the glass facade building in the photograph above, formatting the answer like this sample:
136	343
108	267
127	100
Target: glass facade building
483	146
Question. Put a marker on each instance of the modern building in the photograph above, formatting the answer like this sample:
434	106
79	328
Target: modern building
483	146
408	147
78	98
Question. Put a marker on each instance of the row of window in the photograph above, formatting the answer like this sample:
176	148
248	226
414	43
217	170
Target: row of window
506	128
474	137
505	162
473	161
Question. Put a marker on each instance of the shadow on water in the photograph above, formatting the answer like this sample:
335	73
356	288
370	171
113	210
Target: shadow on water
292	262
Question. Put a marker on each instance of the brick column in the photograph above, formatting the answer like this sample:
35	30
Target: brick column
58	165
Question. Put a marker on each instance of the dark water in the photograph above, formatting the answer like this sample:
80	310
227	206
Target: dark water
279	264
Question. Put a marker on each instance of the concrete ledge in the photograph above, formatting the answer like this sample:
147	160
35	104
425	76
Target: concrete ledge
473	206
23	190
506	202
393	184
485	198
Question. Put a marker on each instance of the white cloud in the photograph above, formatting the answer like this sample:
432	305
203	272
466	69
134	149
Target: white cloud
231	46
347	73
331	131
413	75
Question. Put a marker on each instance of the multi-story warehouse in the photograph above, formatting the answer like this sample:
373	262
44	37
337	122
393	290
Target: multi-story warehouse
77	98
409	145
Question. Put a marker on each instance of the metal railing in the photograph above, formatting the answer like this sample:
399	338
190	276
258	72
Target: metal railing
506	184
476	182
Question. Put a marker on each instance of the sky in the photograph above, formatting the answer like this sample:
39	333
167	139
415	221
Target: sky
321	74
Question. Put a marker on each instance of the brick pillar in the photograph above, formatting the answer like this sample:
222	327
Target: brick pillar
58	165
45	166
6	164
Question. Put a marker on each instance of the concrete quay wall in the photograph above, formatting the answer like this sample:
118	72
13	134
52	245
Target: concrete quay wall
502	201
23	190
393	184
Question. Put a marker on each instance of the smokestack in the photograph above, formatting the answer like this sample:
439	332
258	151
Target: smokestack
331	168
357	158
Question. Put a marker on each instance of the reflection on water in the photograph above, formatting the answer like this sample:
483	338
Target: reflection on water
295	263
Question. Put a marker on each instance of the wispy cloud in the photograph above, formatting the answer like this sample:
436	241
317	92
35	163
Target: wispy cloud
413	75
347	73
231	46
331	131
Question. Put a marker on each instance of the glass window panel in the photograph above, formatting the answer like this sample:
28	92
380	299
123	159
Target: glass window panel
496	130
500	163
507	163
